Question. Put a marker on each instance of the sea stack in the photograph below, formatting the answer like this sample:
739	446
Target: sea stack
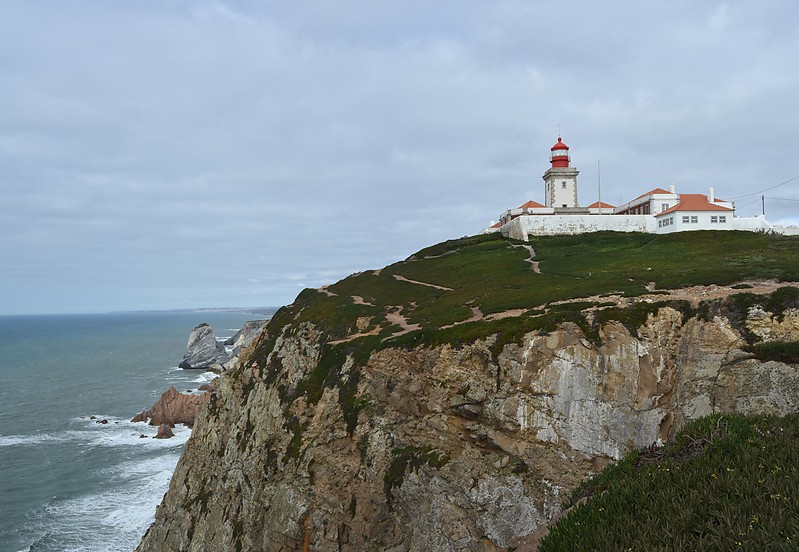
203	350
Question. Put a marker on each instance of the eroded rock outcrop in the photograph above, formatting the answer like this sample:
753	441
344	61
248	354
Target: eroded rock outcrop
173	408
203	350
242	340
443	447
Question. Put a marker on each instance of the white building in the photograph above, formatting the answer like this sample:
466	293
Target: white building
658	211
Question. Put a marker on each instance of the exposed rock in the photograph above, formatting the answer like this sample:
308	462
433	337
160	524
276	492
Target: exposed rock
246	335
452	448
173	408
103	421
241	341
767	326
210	386
202	349
217	368
164	432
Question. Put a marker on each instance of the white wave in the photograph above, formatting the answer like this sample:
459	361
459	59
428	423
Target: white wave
37	439
114	518
205	377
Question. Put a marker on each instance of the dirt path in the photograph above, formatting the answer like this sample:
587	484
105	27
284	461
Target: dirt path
477	314
398	319
326	291
694	294
533	264
358	300
417	282
373	331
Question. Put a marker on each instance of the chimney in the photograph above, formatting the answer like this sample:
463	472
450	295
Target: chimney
672	190
711	196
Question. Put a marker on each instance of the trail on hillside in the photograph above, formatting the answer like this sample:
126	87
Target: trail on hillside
693	294
418	283
398	319
533	264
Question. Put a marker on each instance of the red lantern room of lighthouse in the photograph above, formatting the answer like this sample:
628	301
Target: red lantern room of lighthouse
560	154
560	181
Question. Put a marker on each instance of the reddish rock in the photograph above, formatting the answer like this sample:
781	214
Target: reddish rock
103	421
140	417
173	408
210	386
164	432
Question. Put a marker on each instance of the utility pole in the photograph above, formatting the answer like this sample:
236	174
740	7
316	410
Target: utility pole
763	205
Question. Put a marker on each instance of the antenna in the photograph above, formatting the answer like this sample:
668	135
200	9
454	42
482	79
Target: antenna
558	130
599	186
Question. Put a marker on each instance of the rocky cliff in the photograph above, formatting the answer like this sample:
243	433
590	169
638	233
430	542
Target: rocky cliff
451	448
347	426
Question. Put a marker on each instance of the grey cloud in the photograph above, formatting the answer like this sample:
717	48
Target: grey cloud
171	154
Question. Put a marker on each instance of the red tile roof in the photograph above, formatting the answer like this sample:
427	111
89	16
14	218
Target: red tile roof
496	225
598	204
651	192
694	202
531	205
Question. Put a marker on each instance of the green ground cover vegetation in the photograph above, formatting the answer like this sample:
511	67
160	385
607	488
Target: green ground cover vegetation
493	274
726	482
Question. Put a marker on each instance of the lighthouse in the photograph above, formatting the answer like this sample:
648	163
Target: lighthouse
560	180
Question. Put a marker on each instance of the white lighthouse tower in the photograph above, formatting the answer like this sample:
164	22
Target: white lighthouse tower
560	180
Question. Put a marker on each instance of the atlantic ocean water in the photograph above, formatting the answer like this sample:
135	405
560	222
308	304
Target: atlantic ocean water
67	482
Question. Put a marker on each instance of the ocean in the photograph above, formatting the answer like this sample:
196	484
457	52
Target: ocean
67	482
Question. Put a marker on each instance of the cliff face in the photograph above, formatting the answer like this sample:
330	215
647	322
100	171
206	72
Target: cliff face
443	447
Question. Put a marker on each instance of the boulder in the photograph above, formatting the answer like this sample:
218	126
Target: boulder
202	349
164	432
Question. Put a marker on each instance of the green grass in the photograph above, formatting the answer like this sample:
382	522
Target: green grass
726	482
493	274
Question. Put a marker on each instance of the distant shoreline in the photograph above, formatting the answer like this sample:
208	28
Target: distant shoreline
246	310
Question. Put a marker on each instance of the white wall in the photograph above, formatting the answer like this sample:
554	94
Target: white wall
751	224
549	225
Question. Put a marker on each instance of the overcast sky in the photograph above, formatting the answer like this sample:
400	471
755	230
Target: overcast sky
160	154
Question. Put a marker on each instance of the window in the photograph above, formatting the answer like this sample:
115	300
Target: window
722	219
664	206
563	185
685	220
714	219
694	220
671	220
660	224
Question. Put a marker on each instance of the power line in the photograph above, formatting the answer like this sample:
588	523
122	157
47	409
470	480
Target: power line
767	189
749	202
782	198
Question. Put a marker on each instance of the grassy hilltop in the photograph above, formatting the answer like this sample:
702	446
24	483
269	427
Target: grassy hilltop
494	275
